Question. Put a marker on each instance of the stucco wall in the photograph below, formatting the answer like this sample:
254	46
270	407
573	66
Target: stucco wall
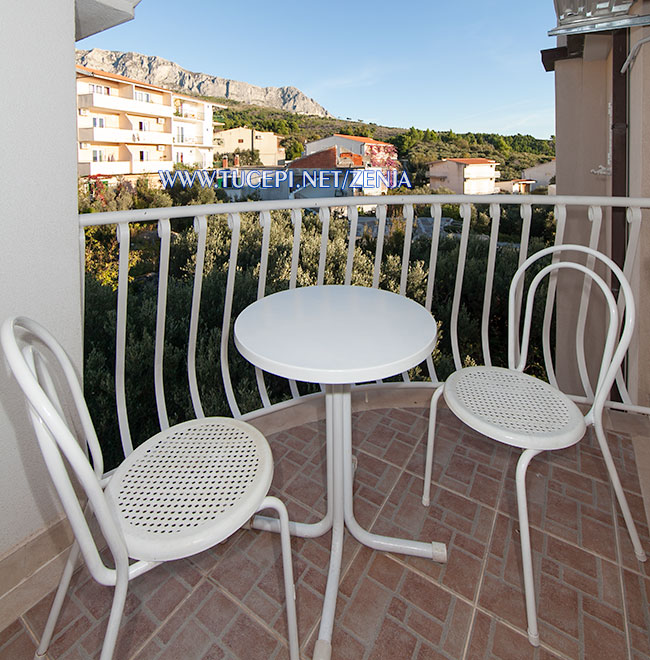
582	92
39	251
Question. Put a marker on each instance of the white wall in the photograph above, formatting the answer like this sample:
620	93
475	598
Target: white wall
39	250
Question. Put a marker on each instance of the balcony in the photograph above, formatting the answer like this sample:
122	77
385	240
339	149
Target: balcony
186	139
195	115
123	136
593	600
105	167
121	104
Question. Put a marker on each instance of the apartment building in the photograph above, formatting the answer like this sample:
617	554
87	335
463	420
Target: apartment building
266	143
465	176
128	127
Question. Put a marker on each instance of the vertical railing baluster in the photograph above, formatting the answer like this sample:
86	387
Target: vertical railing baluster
633	216
296	221
560	224
526	212
265	224
164	233
595	214
82	279
495	214
436	214
234	222
380	214
406	252
353	217
324	214
123	238
466	215
406	255
201	229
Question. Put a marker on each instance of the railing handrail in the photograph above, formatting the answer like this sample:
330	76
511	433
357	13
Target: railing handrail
161	213
591	209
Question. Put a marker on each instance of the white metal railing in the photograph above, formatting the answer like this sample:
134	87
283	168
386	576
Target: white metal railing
593	209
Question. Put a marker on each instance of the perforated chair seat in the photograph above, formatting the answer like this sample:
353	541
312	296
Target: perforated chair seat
190	487
514	408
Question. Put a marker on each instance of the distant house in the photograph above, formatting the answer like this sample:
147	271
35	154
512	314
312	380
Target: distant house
542	173
516	186
249	139
373	152
345	161
468	176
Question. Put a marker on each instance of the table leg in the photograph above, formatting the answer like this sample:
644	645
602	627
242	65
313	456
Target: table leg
335	397
434	550
308	530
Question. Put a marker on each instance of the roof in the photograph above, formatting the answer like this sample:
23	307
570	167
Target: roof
355	158
473	161
357	138
115	76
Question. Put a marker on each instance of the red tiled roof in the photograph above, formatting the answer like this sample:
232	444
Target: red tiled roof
355	158
356	138
473	161
116	76
324	158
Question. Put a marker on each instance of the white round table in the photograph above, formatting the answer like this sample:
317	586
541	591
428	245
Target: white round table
338	336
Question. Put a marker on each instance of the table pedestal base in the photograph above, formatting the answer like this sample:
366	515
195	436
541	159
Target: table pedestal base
340	513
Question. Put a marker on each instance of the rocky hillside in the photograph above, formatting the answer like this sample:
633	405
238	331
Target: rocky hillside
158	71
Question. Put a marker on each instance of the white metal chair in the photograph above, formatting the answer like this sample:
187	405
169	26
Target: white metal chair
181	492
526	412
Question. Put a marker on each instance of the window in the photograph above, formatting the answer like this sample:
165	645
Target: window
180	134
144	155
98	122
143	96
100	89
99	155
143	125
240	141
179	156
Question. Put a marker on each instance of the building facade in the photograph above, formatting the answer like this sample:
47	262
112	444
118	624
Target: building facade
373	152
543	174
468	176
248	139
516	186
128	127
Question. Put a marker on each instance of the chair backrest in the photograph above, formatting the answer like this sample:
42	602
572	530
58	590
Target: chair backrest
617	340
36	359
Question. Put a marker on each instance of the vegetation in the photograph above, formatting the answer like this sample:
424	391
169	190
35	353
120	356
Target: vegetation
100	298
416	148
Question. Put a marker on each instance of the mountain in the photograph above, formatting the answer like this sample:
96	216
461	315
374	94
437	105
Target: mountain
164	73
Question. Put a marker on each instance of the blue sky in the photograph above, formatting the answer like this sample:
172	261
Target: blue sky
465	65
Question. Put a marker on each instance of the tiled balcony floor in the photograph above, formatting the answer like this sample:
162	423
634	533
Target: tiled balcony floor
228	602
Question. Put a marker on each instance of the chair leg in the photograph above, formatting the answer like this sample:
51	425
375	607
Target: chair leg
59	597
526	553
428	462
618	489
289	586
117	608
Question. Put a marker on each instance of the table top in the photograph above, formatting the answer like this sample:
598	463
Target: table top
335	334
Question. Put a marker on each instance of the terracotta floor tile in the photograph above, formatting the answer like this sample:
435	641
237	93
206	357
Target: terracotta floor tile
228	602
19	646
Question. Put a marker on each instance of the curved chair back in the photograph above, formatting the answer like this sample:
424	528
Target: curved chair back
35	358
617	340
